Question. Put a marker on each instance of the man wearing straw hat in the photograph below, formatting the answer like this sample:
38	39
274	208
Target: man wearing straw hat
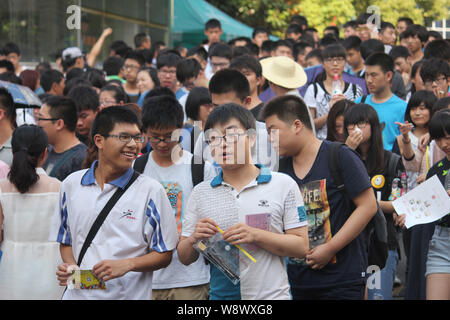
284	76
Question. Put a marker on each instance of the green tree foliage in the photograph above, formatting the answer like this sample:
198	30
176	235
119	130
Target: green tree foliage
275	14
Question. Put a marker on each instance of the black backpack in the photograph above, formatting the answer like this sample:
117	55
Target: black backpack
197	167
376	229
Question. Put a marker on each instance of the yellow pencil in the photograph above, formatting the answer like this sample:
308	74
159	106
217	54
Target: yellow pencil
240	248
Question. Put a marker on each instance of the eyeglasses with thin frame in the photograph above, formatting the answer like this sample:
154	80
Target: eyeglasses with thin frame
439	81
233	137
131	67
156	140
126	138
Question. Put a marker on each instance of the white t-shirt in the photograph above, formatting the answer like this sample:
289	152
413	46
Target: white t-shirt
177	182
273	199
141	221
321	102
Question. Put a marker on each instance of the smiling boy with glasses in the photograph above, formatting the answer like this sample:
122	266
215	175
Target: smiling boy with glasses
178	173
138	234
242	199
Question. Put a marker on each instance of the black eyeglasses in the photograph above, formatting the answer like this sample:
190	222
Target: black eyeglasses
126	138
229	138
47	119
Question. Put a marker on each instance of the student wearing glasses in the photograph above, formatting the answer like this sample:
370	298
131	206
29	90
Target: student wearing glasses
321	95
139	233
245	193
133	62
58	117
172	166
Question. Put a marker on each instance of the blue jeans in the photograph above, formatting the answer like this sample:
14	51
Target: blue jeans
387	276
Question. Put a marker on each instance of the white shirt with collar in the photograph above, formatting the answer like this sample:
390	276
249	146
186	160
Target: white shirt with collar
141	221
273	200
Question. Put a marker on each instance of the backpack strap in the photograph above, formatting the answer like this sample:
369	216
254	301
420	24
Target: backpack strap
102	216
334	164
139	163
197	169
363	99
392	167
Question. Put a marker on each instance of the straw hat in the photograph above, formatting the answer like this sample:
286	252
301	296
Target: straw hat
283	71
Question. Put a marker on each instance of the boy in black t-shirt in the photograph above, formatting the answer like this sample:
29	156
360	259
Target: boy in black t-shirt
335	267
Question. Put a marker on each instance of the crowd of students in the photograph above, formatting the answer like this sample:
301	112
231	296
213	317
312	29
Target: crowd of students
286	150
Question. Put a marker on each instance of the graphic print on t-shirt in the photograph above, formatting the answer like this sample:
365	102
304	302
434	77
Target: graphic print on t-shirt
175	194
318	212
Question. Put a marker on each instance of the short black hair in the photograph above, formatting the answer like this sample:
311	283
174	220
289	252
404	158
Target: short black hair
440	124
437	49
199	51
442	103
197	97
136	56
247	62
427	97
435	34
221	50
258	30
300	47
287	108
352	42
107	118
11	47
228	111
300	20
49	77
371	46
120	48
119	92
267	45
85	98
229	80
188	68
432	68
416	30
74	73
406	20
335	31
63	108
7	104
399	52
213	23
167	59
316	53
140	38
8	65
113	65
159	91
385	25
283	43
147	54
327	40
10	77
383	60
363	18
294	28
162	112
351	24
75	82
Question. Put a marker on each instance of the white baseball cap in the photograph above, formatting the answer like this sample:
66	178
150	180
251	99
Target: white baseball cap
71	53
